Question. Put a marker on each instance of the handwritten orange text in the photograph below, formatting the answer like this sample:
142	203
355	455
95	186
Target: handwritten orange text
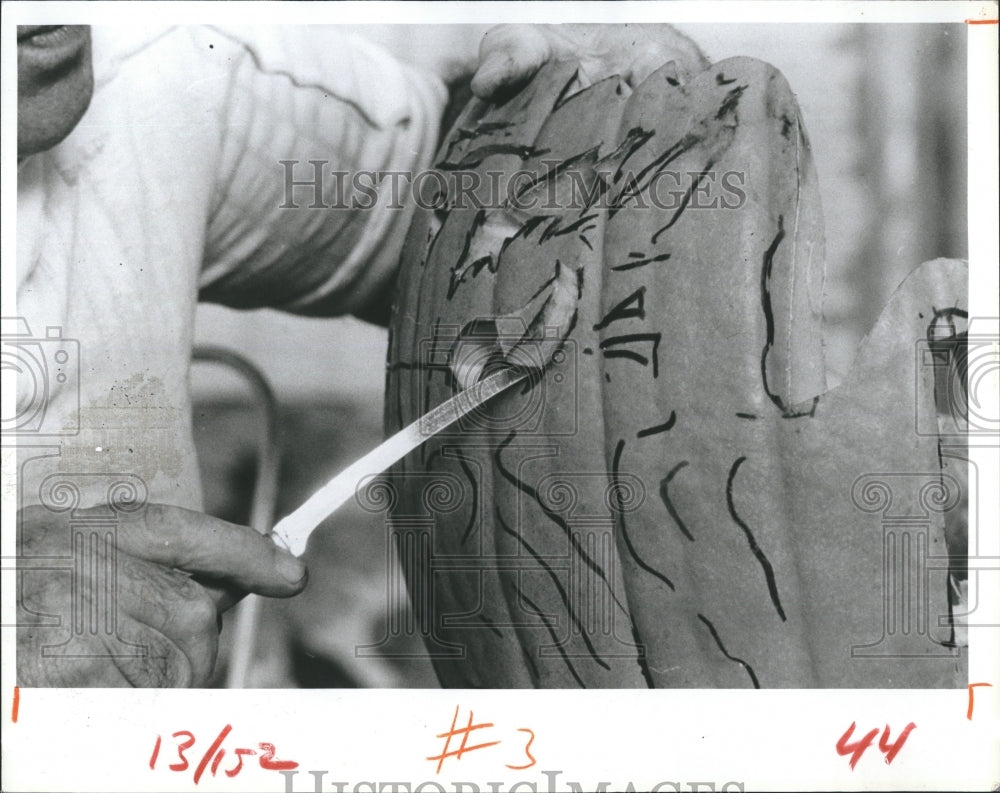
185	739
464	747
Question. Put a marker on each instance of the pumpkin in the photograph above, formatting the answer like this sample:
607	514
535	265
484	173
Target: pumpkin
674	498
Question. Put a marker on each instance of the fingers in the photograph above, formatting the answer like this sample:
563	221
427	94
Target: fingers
509	55
116	621
224	597
224	553
135	656
654	45
182	635
159	625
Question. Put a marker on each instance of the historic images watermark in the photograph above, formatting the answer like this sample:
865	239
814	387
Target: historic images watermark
550	784
313	184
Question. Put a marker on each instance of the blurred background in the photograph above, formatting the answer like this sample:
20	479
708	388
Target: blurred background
885	109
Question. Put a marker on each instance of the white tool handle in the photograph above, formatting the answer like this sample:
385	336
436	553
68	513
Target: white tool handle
294	529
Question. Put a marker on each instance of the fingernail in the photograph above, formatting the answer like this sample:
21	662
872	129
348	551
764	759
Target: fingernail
291	569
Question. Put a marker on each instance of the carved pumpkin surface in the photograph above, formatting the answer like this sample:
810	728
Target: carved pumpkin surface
674	498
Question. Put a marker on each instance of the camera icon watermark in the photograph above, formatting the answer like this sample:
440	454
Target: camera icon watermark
963	363
43	365
546	402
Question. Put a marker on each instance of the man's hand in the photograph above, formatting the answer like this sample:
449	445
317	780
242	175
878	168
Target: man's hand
144	611
511	54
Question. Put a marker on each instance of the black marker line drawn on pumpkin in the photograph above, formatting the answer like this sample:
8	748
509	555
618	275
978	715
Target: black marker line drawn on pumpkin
786	126
488	255
731	102
803	413
475	157
566	92
634	140
555	639
722	648
408	366
489	624
528	226
765	301
684	202
667	425
586	242
642	137
631	307
665	498
528	490
587	157
442	451
620	520
720	79
462	134
615	341
554	229
750	416
433	235
563	595
640	181
772	586
463	266
474	511
640	262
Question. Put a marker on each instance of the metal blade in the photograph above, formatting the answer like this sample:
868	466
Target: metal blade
293	530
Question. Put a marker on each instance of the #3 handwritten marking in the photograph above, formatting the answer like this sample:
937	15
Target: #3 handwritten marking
464	746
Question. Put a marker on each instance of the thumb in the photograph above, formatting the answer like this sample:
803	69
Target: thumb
509	55
231	556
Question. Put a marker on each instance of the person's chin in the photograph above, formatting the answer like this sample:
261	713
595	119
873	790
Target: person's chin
55	84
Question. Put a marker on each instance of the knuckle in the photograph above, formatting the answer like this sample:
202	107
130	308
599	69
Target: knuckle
202	614
190	603
161	665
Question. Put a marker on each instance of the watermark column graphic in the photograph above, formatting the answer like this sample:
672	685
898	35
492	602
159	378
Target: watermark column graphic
963	354
590	557
907	503
90	560
47	368
410	558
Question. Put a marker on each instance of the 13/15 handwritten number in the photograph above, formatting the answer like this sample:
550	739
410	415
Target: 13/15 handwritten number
215	753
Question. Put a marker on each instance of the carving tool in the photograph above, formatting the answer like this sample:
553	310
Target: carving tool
293	530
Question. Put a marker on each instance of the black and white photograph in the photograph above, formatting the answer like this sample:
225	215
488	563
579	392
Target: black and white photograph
390	388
